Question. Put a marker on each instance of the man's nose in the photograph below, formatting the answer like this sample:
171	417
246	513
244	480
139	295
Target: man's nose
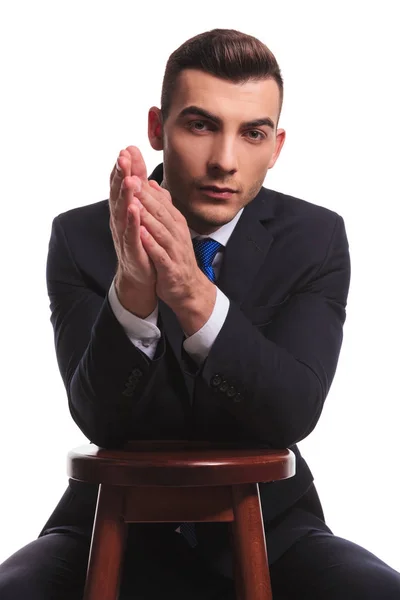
223	156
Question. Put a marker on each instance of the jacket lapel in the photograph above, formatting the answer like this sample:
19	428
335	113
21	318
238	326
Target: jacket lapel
247	248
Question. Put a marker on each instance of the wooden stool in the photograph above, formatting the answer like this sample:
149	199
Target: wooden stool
199	481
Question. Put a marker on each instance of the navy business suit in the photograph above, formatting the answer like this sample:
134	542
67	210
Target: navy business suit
286	271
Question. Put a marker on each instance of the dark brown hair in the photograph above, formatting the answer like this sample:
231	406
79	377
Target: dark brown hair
224	53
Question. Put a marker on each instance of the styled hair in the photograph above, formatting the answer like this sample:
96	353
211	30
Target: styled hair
224	53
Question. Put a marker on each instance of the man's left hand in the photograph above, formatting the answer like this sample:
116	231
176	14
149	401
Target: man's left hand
166	238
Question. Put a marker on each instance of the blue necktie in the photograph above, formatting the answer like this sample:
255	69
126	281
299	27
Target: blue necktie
205	250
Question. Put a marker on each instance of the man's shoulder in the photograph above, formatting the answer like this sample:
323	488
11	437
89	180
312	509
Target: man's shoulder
87	214
286	205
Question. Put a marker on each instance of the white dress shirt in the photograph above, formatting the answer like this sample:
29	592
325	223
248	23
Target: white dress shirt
144	333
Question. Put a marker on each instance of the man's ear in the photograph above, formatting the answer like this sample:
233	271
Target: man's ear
155	128
280	140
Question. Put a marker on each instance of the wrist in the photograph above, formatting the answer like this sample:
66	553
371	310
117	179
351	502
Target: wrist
192	313
138	299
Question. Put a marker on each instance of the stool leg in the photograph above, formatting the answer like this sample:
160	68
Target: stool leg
249	548
107	547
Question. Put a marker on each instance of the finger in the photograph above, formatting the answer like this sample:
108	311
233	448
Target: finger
161	234
116	171
121	169
158	207
138	166
125	199
160	224
123	186
164	197
162	191
156	253
131	234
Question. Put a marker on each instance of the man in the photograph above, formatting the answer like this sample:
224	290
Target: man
233	336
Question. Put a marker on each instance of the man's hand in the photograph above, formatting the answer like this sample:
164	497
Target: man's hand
165	237
136	275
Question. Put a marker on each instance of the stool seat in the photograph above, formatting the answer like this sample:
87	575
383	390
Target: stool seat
180	463
179	481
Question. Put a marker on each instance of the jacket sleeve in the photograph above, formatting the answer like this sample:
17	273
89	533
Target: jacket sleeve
105	375
272	379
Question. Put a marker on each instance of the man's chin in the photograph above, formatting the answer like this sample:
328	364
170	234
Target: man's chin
209	219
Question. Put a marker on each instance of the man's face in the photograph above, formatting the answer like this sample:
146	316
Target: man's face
211	138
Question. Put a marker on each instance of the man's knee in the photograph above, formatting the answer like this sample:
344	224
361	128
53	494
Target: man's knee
383	584
364	582
53	566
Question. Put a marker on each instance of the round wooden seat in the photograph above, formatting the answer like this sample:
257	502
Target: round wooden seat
179	464
200	481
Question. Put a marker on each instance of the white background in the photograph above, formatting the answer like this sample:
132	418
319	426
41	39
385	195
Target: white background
77	79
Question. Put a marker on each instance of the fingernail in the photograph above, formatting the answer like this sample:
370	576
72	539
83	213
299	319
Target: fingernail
118	167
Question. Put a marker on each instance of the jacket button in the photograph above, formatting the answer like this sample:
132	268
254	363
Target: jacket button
216	380
137	373
231	391
224	386
238	397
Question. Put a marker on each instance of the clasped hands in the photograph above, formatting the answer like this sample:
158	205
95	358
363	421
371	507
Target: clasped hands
154	248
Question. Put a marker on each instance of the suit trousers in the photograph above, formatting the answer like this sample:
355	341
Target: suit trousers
159	564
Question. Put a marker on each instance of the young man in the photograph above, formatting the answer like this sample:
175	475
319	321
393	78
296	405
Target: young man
197	304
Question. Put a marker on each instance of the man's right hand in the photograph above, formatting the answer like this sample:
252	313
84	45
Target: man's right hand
136	276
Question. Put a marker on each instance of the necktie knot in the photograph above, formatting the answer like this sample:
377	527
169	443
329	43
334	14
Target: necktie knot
205	250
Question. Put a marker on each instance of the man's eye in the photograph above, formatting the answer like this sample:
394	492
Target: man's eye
197	125
258	135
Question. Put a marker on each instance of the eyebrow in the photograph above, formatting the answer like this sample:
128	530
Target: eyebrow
201	112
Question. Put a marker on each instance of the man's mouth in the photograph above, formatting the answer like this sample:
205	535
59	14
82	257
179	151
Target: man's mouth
214	191
215	188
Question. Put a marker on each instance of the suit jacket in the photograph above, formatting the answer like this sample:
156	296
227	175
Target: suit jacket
286	271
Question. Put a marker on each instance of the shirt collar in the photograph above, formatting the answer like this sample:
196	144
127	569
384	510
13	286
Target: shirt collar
222	234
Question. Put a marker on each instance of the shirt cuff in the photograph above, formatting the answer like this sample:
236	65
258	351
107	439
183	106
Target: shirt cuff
143	333
199	344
